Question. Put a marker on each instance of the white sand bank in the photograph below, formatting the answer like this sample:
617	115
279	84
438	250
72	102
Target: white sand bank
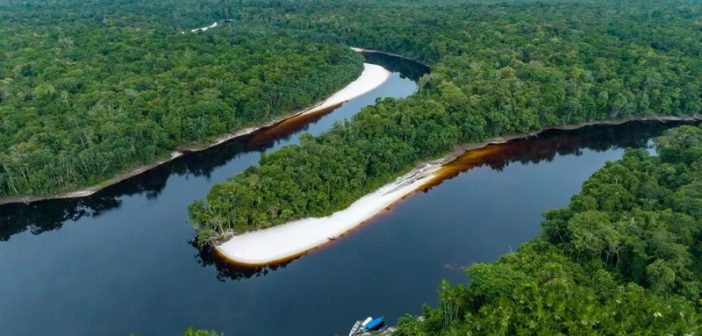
371	77
204	29
288	240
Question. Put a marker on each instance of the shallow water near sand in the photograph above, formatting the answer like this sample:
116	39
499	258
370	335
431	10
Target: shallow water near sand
120	261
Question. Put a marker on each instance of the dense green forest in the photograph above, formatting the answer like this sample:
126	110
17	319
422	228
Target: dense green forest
621	259
88	91
91	89
497	69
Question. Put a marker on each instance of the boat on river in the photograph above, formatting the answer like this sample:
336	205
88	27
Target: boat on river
356	327
368	325
376	324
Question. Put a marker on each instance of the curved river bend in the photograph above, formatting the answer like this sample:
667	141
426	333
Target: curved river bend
120	261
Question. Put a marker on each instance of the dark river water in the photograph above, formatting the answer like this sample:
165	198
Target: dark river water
121	262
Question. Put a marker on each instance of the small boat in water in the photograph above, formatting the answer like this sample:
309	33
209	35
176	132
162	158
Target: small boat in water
369	324
356	327
360	326
375	324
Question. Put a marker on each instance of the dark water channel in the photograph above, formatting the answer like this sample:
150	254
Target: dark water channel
121	261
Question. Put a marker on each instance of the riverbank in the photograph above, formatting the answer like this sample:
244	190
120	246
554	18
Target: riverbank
287	241
371	77
462	149
283	242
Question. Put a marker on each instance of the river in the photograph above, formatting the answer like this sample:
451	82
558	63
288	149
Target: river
121	262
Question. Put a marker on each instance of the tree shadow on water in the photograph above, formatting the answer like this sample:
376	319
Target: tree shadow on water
226	270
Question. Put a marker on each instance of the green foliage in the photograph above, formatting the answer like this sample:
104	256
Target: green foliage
596	269
497	69
87	93
196	332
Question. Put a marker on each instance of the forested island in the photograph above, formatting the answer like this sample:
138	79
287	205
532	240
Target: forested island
621	259
498	69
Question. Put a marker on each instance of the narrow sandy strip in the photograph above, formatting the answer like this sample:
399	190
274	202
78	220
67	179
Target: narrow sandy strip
372	77
204	29
282	242
286	241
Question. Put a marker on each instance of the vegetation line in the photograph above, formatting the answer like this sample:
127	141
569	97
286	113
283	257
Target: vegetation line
291	239
462	149
502	69
372	77
386	53
286	241
621	259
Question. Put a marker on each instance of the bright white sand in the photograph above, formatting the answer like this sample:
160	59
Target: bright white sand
204	29
288	240
371	77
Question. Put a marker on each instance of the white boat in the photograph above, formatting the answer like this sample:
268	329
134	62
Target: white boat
356	327
360	327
